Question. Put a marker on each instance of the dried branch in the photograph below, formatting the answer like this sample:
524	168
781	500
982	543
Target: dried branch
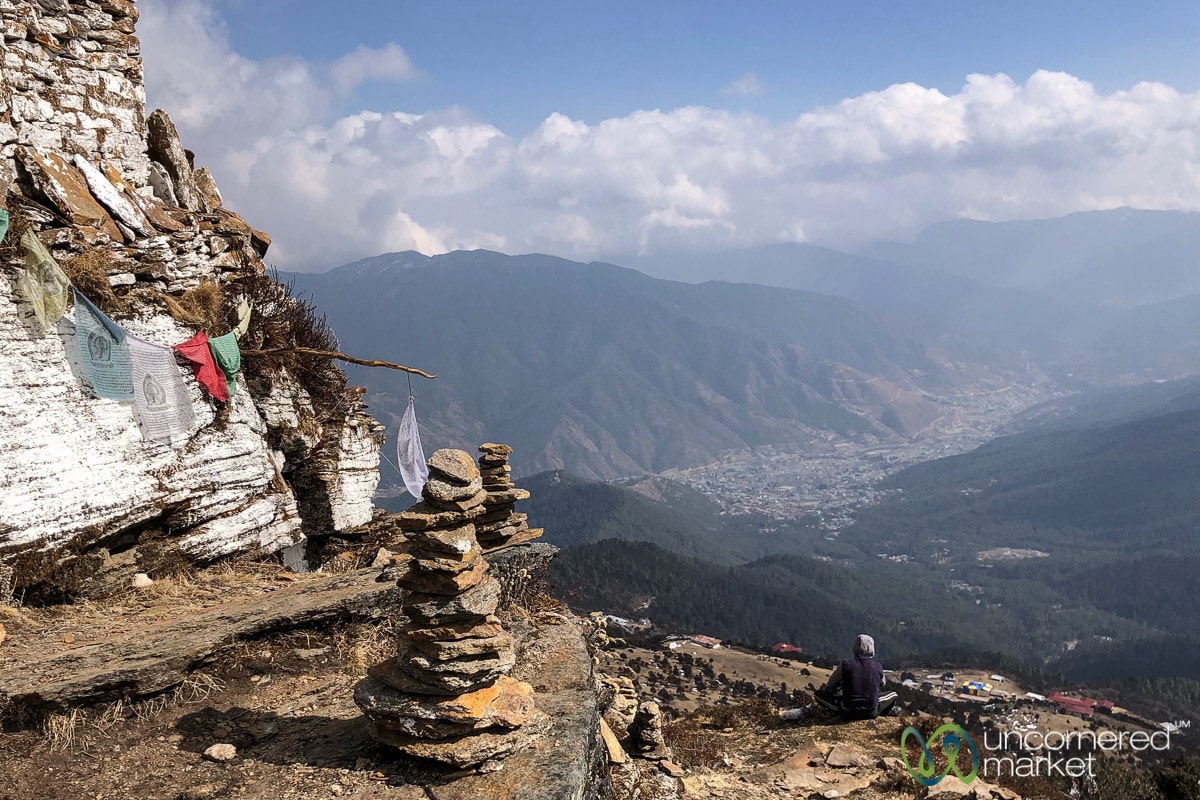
364	362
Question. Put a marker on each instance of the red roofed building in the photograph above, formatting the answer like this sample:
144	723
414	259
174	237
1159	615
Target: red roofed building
785	649
707	641
1082	706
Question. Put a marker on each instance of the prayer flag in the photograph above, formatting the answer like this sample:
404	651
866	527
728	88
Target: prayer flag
42	282
162	400
103	353
228	357
3	223
196	351
243	323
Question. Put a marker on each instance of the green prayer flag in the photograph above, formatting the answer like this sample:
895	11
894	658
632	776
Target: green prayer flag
3	223
228	357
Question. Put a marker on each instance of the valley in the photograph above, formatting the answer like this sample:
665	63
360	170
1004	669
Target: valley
828	479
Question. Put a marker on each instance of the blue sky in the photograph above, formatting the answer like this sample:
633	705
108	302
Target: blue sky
518	125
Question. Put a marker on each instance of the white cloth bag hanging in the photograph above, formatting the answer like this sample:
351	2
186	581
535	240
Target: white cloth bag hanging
409	455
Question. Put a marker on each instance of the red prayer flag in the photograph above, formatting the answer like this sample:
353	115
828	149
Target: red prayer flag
196	351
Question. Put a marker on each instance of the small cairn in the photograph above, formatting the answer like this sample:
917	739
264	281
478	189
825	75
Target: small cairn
646	734
500	526
446	695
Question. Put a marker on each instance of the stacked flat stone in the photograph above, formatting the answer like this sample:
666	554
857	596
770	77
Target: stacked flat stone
446	695
646	734
499	525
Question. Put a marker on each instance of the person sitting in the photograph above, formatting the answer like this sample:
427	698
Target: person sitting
854	687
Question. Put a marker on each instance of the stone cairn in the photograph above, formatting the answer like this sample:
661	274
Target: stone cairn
646	734
446	695
500	526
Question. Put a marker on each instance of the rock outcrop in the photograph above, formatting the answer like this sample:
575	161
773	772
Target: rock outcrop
116	199
446	694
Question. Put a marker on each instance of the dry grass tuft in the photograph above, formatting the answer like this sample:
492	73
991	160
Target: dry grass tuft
196	688
362	645
108	716
282	319
63	732
202	304
89	272
755	713
150	708
10	247
693	745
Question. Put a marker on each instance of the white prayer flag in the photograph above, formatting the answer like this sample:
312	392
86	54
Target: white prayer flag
163	403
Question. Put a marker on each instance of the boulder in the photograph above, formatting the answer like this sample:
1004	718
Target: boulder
466	630
67	190
121	207
475	501
507	703
439	562
506	497
439	582
845	755
489	647
446	542
466	751
506	521
208	187
221	752
423	516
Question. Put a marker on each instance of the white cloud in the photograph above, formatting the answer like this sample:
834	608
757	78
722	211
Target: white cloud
365	64
745	86
881	164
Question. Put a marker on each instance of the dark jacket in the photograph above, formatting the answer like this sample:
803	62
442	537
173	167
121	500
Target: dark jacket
861	680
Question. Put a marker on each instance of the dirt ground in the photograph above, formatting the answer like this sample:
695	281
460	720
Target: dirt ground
284	701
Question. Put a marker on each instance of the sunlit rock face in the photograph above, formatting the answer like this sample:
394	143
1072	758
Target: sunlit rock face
101	182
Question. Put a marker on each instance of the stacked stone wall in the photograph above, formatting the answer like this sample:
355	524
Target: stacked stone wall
72	83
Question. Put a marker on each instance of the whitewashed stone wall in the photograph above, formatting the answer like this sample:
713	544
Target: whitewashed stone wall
72	83
90	170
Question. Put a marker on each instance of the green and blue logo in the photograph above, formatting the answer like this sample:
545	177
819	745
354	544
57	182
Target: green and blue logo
951	739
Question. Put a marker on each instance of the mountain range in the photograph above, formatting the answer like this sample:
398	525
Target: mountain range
606	372
1122	258
1095	297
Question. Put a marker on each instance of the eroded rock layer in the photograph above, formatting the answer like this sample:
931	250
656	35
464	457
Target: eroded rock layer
114	196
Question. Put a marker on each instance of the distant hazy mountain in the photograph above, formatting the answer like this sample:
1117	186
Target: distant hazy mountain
1122	258
1096	297
606	372
944	302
